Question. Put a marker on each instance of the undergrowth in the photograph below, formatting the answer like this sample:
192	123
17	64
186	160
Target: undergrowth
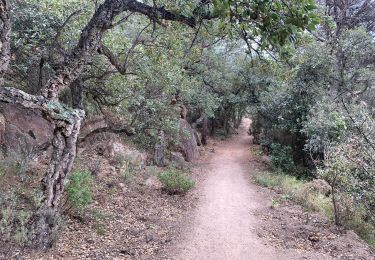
175	181
18	198
79	189
297	191
300	192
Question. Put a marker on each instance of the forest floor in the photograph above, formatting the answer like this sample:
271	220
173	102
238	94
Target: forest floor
226	216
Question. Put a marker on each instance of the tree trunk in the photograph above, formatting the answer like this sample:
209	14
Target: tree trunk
76	90
67	124
159	152
5	27
66	121
64	152
205	130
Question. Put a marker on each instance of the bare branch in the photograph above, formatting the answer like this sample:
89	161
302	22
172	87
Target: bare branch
16	96
60	30
122	67
157	13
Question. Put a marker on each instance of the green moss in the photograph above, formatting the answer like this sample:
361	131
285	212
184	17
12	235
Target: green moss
62	112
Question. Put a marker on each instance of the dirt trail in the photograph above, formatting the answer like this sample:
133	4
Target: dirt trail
224	224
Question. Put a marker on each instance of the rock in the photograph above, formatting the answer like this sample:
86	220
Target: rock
112	149
149	238
198	138
117	151
314	237
22	130
188	143
153	182
129	251
178	160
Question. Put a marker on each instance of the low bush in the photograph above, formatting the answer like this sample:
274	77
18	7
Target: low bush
14	217
15	163
99	221
318	199
18	197
79	189
125	166
128	171
175	182
297	191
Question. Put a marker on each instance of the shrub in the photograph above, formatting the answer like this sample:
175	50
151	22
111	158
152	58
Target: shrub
79	189
305	194
15	163
296	191
128	171
14	217
324	125
282	159
99	221
175	181
125	166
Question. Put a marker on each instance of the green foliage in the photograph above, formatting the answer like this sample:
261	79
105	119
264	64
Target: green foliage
15	163
99	221
295	190
282	158
324	100
350	169
311	100
274	22
326	124
15	215
79	189
175	181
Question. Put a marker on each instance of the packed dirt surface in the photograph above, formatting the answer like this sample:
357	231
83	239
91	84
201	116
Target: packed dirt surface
228	223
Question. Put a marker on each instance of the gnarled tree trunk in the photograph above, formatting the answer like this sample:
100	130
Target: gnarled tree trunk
5	27
66	121
64	143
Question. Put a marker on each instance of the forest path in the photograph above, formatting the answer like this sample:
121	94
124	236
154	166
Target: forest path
224	223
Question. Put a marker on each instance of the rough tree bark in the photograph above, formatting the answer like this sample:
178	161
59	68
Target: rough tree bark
159	151
205	130
5	27
76	90
92	34
66	121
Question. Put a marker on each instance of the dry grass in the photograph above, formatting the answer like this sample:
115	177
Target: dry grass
299	192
